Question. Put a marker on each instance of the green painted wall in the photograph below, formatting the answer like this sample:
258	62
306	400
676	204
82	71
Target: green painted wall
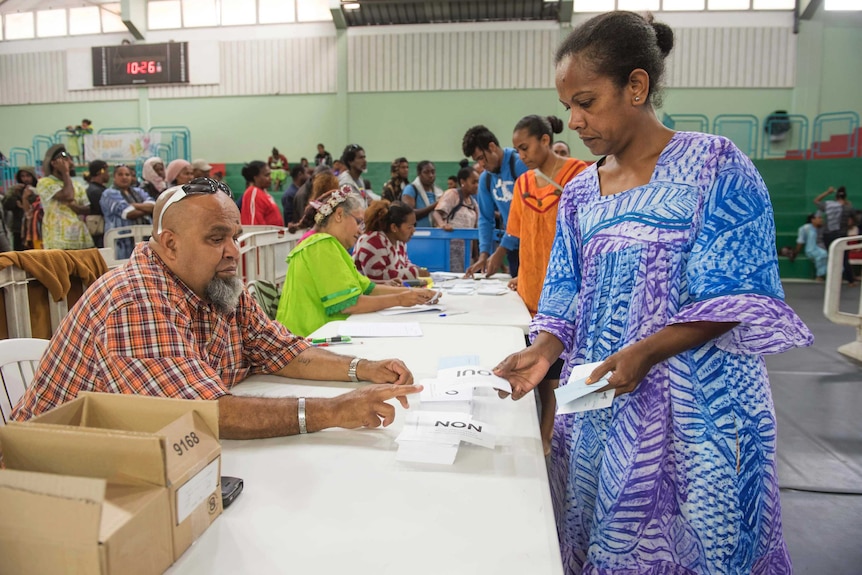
841	82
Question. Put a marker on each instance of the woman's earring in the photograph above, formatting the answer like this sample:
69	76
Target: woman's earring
637	98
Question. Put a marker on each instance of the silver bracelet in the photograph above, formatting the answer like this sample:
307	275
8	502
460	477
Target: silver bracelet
301	415
351	371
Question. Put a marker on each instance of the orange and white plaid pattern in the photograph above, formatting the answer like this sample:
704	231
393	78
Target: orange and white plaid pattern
141	330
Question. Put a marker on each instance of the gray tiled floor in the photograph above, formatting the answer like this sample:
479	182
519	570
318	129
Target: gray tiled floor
818	403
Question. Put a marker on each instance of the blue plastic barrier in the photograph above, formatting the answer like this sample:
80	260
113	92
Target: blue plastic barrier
429	247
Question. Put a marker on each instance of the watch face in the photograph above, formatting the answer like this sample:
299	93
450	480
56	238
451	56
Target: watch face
140	64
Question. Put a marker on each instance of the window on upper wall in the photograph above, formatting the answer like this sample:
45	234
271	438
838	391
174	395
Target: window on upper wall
313	11
50	23
848	5
688	5
19	26
200	13
84	20
164	14
111	20
276	11
685	5
1	26
774	4
593	5
238	12
636	5
728	4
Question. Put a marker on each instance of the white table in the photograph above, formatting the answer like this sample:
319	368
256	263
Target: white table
338	502
483	310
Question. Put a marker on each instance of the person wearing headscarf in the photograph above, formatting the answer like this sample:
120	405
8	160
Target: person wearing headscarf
322	283
153	175
18	201
64	200
178	173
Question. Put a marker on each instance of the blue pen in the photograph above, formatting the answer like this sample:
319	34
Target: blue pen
451	313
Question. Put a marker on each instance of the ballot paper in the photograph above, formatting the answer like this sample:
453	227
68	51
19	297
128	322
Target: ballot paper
400	310
493	290
433	390
443	276
446	428
496	276
425	452
589	402
470	376
577	396
462	291
380	329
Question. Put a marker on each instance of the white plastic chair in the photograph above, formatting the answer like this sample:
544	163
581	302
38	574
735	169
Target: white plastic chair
18	361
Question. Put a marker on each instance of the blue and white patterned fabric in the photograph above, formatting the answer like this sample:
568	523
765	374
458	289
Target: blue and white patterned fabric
677	477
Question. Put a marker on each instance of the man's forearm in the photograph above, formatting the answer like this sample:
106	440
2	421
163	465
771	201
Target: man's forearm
258	417
318	364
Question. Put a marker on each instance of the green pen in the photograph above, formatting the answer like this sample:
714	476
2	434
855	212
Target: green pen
336	339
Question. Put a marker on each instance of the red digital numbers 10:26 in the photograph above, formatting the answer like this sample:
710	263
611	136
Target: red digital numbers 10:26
143	67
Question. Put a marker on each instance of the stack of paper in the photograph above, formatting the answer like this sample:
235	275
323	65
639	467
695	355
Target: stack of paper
433	437
433	432
577	396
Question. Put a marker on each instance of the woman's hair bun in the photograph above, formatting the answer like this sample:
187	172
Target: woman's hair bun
556	124
664	37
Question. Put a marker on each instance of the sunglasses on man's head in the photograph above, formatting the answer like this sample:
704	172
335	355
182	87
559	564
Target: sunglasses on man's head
195	187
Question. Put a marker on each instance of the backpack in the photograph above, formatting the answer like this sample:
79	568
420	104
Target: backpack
460	205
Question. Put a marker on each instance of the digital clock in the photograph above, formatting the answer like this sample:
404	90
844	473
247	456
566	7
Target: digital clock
134	64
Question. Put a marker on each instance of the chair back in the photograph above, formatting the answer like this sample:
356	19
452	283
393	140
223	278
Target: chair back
18	361
266	295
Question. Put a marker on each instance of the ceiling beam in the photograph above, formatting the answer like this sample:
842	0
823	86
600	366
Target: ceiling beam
337	12
807	8
133	13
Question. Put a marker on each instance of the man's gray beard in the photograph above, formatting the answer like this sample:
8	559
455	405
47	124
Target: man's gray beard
224	293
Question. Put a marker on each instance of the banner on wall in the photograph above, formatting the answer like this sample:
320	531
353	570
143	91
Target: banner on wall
120	147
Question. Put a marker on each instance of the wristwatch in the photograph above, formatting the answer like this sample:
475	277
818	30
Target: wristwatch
351	371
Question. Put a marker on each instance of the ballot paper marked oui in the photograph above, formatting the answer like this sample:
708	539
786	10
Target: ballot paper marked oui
470	376
577	396
447	428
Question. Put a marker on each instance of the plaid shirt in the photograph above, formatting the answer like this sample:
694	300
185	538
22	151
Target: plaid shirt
140	329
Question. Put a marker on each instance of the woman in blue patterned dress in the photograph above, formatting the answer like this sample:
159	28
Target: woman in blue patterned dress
663	268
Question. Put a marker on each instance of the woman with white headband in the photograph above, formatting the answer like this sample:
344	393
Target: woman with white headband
322	283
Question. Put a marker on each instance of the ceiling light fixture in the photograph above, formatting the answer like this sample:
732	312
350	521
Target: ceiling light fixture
350	6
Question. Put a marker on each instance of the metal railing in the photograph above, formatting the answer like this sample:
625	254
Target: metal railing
741	129
832	297
831	124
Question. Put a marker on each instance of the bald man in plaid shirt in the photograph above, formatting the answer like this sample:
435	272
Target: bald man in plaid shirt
175	321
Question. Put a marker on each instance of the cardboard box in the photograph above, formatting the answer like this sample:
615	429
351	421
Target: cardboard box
79	525
172	443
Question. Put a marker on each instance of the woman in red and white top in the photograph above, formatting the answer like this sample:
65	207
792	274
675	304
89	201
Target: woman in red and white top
258	207
381	252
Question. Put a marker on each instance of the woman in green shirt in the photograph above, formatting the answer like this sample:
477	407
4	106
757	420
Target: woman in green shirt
322	283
